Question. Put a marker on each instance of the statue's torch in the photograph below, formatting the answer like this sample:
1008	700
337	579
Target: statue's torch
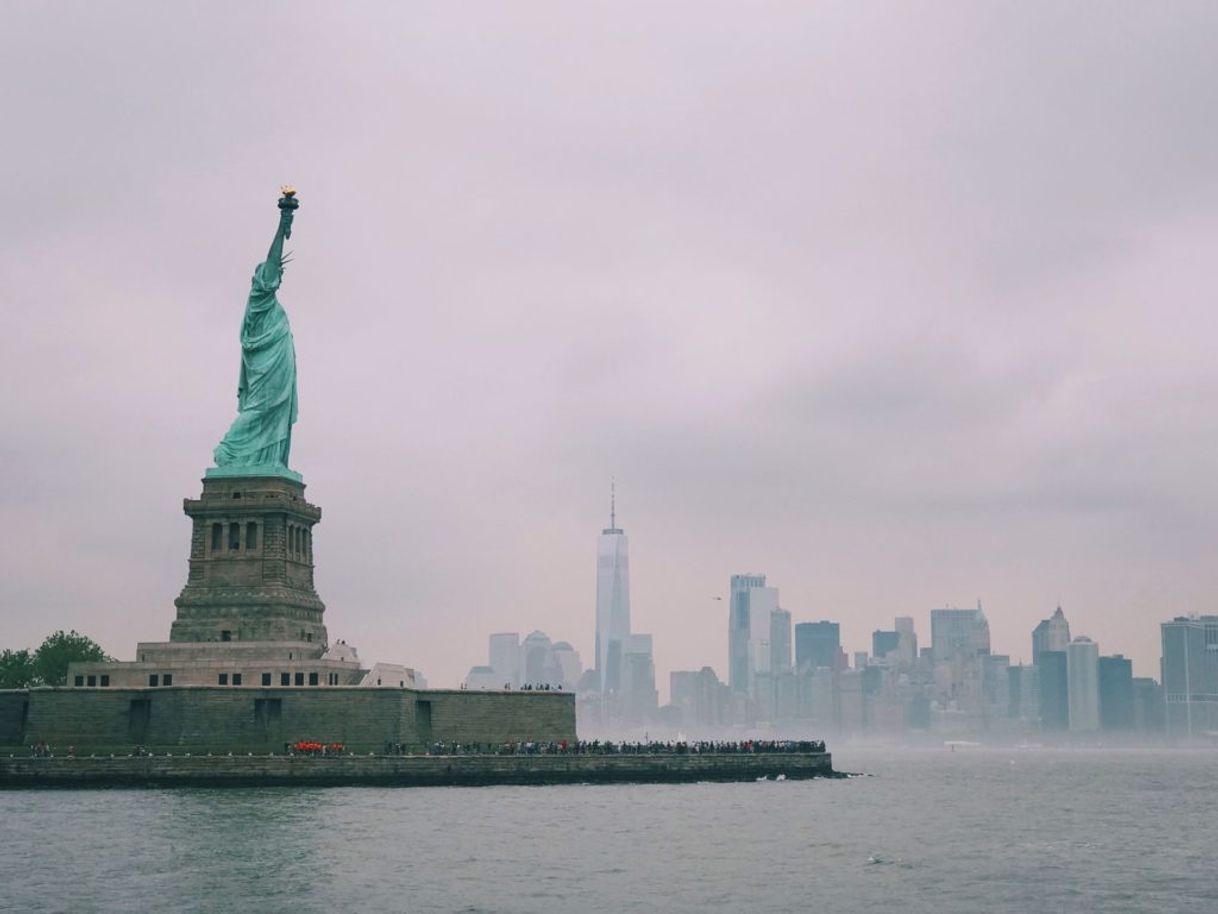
287	208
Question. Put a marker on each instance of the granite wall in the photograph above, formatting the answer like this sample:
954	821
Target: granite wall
205	719
405	771
12	717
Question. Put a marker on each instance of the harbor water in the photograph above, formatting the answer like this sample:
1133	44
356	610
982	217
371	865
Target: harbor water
925	830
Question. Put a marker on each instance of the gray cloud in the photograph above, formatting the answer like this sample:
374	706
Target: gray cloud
899	305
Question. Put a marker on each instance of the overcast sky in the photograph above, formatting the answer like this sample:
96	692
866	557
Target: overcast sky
903	304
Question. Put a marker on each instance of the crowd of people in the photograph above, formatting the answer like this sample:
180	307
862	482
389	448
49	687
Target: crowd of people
559	747
312	747
606	747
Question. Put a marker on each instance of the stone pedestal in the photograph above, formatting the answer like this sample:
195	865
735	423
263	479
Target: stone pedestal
251	564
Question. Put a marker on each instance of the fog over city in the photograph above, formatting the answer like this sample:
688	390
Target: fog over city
903	307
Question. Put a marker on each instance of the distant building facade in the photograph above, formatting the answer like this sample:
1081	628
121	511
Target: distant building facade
958	633
1052	634
818	645
1083	684
749	610
1023	694
884	643
1190	675
780	642
1148	705
702	701
505	658
1053	691
1116	693
907	640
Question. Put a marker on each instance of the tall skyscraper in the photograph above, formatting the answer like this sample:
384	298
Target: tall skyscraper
612	601
482	677
1052	634
1014	690
700	697
958	633
907	640
1052	690
780	641
1116	693
1190	675
639	677
537	659
995	682
818	644
748	630
566	659
1023	693
505	658
1148	706
1083	684
884	643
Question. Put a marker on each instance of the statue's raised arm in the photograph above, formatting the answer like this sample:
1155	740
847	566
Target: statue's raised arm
260	438
272	268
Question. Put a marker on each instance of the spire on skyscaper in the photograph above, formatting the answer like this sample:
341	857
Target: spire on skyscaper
612	528
612	601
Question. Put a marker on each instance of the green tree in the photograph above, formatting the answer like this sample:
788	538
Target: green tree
58	650
16	669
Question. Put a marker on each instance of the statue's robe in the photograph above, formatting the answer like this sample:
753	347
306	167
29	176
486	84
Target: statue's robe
261	435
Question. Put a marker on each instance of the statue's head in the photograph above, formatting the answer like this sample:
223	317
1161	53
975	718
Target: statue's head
266	278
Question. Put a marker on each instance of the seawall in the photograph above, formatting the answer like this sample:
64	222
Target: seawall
221	719
405	771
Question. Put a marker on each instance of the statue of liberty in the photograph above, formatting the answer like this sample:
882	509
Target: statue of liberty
260	438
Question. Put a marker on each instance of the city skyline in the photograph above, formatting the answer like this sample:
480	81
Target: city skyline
764	641
796	679
898	335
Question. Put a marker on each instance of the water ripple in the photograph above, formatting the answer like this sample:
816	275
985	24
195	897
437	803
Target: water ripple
958	832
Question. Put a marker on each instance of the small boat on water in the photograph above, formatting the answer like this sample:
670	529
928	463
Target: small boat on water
954	744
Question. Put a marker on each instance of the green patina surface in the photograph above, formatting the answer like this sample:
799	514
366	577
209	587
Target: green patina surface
254	471
261	435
